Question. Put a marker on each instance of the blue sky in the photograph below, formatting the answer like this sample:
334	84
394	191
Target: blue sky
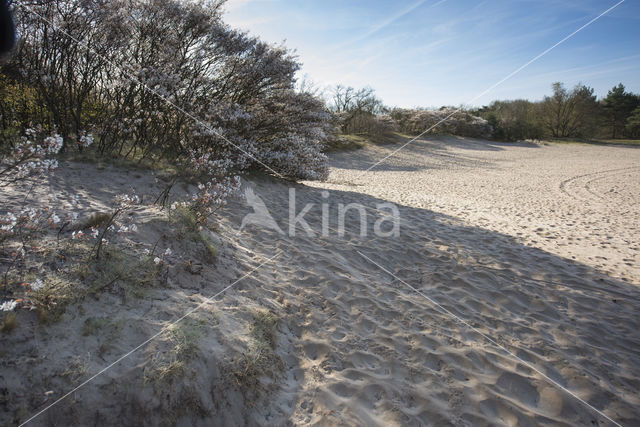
445	52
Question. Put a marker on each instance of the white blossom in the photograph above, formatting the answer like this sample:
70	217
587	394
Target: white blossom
85	140
8	305
53	143
37	284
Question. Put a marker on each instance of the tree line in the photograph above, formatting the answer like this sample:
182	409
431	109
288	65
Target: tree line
563	114
575	113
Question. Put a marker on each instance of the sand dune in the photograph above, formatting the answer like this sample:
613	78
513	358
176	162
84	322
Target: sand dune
577	201
533	246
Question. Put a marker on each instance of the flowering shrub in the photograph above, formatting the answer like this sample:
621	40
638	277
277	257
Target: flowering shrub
32	155
213	195
26	223
122	203
292	131
227	97
85	140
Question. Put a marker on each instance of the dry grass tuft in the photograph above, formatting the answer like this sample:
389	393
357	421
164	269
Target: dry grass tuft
187	227
182	340
124	269
76	369
54	297
260	360
264	328
9	322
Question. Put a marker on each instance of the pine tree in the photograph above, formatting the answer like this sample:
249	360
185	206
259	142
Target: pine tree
617	107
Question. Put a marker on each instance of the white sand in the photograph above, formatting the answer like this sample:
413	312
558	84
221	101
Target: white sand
536	246
577	201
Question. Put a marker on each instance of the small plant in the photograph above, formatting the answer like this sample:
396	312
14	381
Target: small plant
184	217
9	322
123	268
95	325
211	250
123	203
188	227
95	220
218	186
260	359
182	339
76	369
52	296
264	327
33	155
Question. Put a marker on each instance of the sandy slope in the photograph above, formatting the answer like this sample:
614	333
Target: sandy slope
497	248
535	246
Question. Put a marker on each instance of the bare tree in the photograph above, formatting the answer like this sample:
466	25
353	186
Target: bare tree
347	99
566	114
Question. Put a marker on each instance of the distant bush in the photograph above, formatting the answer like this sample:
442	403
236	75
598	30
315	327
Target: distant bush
618	108
365	123
569	113
360	112
513	120
443	121
575	113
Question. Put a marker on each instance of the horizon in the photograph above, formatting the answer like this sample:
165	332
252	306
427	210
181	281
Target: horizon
430	53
